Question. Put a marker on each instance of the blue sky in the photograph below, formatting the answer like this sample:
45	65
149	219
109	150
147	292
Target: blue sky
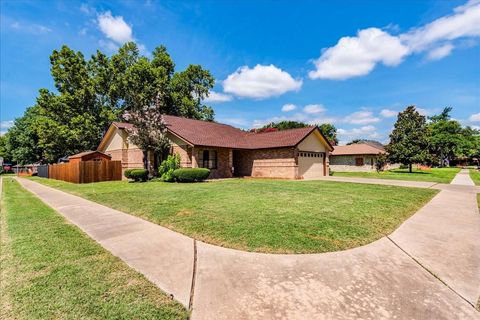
354	63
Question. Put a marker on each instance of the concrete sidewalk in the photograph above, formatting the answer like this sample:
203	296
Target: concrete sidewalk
381	280
463	178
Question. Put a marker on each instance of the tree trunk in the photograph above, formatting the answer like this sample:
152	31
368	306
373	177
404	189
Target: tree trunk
155	163
145	159
410	167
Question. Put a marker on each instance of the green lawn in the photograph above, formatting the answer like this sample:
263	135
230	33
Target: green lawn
440	175
475	175
51	270
264	215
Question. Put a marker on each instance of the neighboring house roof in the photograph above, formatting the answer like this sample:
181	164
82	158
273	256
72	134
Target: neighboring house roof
213	134
356	149
86	153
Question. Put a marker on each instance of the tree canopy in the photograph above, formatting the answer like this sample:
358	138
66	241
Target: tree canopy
449	140
409	139
92	93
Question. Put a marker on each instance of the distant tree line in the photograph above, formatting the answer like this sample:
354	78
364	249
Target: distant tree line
91	93
439	141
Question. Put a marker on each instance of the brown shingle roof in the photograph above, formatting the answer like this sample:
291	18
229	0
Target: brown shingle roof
213	134
353	149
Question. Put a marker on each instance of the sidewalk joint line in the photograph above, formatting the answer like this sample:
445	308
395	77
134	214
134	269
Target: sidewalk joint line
194	275
433	274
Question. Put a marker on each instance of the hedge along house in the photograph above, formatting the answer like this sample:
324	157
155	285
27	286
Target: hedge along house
227	151
359	157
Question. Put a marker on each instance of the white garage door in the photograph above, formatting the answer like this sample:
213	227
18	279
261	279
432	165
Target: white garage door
310	165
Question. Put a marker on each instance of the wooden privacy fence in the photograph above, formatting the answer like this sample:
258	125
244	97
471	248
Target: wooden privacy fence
86	171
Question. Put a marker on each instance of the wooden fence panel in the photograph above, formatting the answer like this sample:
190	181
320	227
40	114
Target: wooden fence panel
86	171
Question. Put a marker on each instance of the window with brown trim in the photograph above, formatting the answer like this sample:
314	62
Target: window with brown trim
208	159
359	162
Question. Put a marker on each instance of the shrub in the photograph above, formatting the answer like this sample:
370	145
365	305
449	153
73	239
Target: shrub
191	174
380	163
127	173
137	174
165	171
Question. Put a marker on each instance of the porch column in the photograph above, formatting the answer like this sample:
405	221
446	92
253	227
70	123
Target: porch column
194	158
230	162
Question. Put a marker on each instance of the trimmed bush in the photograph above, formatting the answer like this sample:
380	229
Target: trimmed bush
191	174
127	173
138	174
165	171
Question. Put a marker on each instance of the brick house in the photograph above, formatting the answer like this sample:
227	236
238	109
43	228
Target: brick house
360	157
228	151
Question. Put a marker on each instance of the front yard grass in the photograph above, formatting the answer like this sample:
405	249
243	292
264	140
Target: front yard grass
51	270
440	175
274	216
475	175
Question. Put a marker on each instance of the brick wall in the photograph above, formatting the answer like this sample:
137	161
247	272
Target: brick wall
224	162
130	158
185	153
266	163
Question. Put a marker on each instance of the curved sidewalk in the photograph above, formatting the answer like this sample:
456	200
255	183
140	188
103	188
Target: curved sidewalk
392	277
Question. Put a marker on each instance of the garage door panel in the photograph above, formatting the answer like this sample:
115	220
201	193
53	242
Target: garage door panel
310	165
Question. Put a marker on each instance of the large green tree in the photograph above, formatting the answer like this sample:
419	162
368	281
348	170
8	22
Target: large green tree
93	93
446	136
329	131
409	139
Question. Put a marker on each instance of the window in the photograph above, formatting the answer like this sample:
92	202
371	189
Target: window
359	161
208	159
311	154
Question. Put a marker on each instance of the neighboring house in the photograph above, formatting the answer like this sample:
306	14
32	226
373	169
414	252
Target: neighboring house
356	157
227	151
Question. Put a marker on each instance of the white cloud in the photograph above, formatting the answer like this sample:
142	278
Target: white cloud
463	23
288	107
313	108
424	112
357	56
218	97
361	117
6	124
108	45
387	113
115	28
27	27
85	8
356	131
475	117
260	82
235	121
301	117
440	52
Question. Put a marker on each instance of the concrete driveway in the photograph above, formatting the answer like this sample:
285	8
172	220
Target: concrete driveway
429	268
